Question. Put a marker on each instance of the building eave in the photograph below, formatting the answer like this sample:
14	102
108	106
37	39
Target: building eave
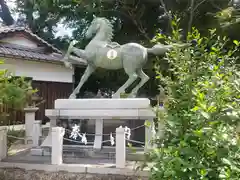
11	30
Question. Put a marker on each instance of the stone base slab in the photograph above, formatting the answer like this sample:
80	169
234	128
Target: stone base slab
117	114
127	103
100	110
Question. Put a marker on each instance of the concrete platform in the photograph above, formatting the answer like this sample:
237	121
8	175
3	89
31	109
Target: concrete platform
138	109
129	108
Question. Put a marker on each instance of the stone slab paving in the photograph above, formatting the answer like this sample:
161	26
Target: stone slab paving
17	148
26	157
24	166
21	165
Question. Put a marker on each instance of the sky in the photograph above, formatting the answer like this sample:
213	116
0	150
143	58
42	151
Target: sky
61	29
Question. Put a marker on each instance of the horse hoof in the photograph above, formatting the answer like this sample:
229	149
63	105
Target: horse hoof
68	65
72	96
116	96
132	96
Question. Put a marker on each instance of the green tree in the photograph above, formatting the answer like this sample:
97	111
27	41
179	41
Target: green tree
14	94
134	20
202	110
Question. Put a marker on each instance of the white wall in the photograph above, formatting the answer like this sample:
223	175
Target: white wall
39	71
19	40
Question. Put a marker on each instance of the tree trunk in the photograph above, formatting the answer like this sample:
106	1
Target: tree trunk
5	14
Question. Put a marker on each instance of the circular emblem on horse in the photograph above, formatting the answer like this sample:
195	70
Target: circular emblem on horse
112	54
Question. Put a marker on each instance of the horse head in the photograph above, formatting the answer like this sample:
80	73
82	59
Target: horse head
99	24
93	28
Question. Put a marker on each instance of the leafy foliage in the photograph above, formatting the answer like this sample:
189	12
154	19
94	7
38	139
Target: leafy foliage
228	17
14	92
134	21
202	110
131	16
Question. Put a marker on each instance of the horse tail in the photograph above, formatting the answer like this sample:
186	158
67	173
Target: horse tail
161	49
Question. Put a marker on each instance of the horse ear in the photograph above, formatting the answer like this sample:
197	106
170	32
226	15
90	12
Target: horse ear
94	16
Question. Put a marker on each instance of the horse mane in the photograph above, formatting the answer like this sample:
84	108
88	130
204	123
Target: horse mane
108	27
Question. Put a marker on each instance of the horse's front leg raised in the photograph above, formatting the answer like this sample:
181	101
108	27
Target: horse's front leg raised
67	56
90	69
79	52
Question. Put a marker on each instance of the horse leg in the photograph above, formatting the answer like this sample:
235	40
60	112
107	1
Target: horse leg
144	79
131	79
79	52
67	55
84	78
70	47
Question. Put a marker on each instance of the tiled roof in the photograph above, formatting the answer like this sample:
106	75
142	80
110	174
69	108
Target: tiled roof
11	51
39	53
8	29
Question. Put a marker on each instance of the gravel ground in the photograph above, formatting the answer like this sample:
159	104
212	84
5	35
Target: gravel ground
20	174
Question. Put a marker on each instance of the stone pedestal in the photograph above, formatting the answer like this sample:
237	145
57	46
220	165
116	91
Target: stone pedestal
3	143
100	110
29	124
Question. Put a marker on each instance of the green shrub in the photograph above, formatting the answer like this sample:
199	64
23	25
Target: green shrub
14	94
201	112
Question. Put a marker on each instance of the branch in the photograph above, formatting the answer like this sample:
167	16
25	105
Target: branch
130	15
203	1
215	6
139	26
191	15
228	24
6	14
166	11
192	10
135	19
